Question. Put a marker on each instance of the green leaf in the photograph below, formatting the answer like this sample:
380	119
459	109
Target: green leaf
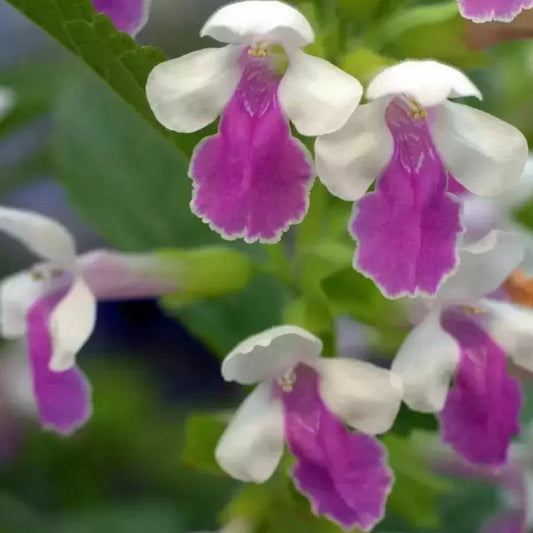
202	433
436	31
408	421
417	490
141	517
36	87
18	518
224	322
128	181
524	215
113	55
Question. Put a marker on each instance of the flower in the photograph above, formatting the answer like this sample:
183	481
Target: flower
128	16
54	306
467	334
252	179
487	10
481	215
298	399
54	303
418	143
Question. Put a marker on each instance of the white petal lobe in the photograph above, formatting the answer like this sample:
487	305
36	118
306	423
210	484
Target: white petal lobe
483	153
425	363
428	82
17	295
189	92
252	444
484	266
71	325
511	326
251	21
351	158
365	396
42	235
270	354
317	96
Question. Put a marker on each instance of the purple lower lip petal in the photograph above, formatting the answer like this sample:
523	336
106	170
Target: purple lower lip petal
408	229
344	474
63	398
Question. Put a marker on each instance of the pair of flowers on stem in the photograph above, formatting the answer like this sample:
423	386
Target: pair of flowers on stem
252	179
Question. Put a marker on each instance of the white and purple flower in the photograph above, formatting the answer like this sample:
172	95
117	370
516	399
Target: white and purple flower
128	16
252	179
466	335
418	144
304	399
498	10
54	306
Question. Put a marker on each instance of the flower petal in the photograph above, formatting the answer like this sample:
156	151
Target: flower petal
317	96
252	180
42	235
484	266
71	324
259	20
116	276
344	474
426	81
484	153
127	15
63	398
270	354
349	159
363	395
189	92
408	228
487	10
252	444
511	326
17	294
482	411
425	363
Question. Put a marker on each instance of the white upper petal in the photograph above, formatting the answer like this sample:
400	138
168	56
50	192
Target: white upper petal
189	92
252	444
351	158
17	295
425	362
428	82
270	354
363	395
484	266
71	324
42	235
318	97
512	327
259	20
484	153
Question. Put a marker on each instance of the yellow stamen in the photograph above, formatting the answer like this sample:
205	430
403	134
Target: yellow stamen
417	111
259	49
287	381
